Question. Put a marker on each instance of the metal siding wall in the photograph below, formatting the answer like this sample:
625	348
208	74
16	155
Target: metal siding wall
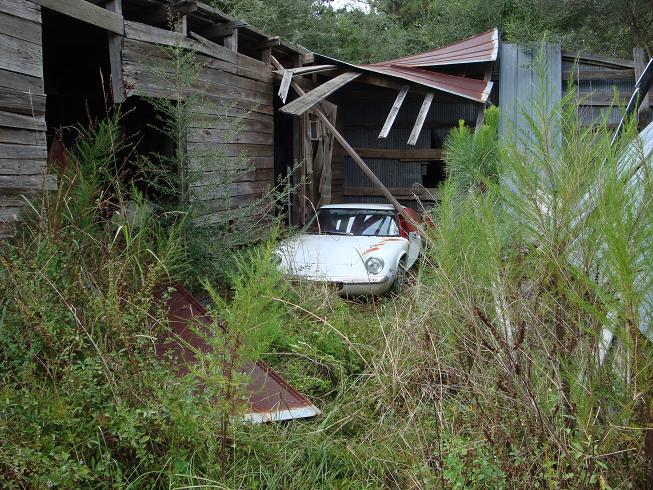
589	114
521	84
363	118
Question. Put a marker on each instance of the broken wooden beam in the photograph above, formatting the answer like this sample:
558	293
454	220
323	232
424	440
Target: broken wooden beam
421	117
300	105
393	112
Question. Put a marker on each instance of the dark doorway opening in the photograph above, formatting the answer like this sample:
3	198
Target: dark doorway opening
151	164
284	153
76	71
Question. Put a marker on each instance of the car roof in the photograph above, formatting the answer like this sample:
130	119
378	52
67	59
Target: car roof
380	207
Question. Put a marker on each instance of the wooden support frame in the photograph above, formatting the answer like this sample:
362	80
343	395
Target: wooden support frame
421	117
393	112
87	12
480	118
231	42
302	104
115	56
352	153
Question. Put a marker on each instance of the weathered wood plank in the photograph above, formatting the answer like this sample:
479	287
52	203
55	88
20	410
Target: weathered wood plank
20	28
594	59
226	136
22	102
613	74
86	12
393	112
156	57
21	8
421	117
405	155
285	85
300	105
233	190
210	180
231	42
22	136
22	167
21	121
21	56
115	56
22	152
145	79
229	123
233	150
204	165
602	99
28	182
142	32
21	82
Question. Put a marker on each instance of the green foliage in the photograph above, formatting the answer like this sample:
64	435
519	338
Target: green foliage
472	158
394	28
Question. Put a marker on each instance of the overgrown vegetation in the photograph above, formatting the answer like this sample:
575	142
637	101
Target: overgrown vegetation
492	370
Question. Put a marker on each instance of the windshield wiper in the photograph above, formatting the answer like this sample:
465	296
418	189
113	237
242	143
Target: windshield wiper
344	233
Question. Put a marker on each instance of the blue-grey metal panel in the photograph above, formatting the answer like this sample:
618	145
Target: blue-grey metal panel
524	84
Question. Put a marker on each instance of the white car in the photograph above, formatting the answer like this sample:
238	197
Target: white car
361	248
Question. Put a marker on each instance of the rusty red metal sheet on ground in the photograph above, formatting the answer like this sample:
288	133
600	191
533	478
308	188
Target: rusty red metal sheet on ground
270	397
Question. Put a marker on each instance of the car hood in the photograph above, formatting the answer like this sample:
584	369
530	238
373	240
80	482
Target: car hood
335	256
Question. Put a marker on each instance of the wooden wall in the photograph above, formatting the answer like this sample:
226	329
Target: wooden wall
239	90
22	109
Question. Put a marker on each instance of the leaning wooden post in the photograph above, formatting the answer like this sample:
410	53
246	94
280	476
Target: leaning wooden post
352	153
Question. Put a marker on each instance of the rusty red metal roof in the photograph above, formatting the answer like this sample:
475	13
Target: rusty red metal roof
470	88
270	397
477	49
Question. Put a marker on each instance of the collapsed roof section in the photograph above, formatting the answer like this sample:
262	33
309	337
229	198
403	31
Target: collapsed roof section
421	69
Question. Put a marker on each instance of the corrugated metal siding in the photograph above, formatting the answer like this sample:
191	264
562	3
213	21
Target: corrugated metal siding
592	115
369	138
362	119
521	84
373	111
392	173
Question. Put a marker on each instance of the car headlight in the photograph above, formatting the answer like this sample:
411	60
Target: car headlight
374	265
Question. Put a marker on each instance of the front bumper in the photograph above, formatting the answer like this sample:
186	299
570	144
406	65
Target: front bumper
353	286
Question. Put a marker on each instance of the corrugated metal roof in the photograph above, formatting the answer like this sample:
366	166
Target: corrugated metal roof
470	88
270	397
477	49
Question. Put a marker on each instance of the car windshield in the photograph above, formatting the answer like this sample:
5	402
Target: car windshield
353	222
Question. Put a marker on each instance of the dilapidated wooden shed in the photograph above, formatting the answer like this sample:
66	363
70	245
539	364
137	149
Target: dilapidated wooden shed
338	132
60	60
